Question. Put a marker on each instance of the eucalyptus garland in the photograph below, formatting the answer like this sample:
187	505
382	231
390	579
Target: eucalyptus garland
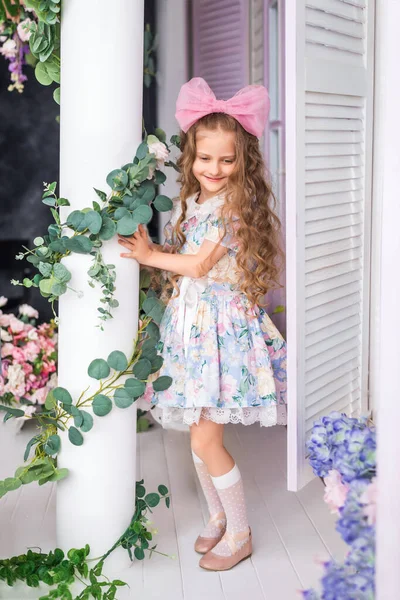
130	202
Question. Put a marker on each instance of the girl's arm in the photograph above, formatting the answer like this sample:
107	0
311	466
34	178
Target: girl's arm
191	265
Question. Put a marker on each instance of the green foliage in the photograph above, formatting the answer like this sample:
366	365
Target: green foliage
130	202
150	45
60	571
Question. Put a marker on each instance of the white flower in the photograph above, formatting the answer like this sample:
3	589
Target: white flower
28	311
33	335
160	151
3	301
5	336
9	49
23	30
16	379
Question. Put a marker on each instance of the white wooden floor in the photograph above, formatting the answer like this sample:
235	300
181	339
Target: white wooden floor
291	531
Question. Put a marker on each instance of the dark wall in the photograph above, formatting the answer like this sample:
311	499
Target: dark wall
29	155
29	142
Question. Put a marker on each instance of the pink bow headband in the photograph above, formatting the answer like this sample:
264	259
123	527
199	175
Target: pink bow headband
249	106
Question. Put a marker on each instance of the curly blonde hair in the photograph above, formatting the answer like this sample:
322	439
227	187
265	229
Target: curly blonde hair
248	211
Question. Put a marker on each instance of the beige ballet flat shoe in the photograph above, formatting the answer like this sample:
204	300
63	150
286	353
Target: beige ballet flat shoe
213	562
205	544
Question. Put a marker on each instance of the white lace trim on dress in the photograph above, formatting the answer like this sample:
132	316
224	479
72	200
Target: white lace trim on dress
266	415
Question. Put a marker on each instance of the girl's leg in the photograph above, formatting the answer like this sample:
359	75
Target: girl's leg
207	443
217	522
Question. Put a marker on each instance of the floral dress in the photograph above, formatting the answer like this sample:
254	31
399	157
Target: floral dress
226	358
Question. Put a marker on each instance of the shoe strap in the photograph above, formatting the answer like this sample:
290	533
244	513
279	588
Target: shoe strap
219	520
232	538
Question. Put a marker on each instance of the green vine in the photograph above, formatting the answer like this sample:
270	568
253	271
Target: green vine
130	202
57	569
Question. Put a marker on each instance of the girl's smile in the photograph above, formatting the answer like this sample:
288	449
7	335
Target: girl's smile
215	160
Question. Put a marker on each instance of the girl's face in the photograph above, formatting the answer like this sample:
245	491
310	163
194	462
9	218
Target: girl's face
215	160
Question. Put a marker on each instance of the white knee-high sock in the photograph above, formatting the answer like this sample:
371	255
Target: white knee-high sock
231	493
212	529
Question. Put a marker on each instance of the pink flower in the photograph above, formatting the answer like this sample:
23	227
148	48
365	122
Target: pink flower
7	349
335	491
28	311
9	49
39	395
16	381
16	325
18	355
370	498
31	351
5	320
23	30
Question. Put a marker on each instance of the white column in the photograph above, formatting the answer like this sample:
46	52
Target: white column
101	121
388	126
172	68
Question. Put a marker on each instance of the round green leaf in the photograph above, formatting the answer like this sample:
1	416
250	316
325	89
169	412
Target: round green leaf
142	150
163	203
75	436
45	269
45	286
87	423
58	289
143	214
78	419
127	225
140	491
139	553
162	383
142	368
41	74
101	405
153	331
62	395
52	445
117	179
135	387
56	93
38	241
93	221
108	229
79	244
163	490
12	483
76	220
156	364
122	211
122	398
152	499
154	308
117	360
61	273
98	369
159	177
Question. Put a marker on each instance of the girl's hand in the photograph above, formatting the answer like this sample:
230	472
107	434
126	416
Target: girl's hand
139	245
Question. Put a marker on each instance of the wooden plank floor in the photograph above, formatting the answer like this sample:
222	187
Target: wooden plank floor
291	532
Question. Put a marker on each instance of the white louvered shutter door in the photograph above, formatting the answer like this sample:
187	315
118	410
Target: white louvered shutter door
329	92
221	44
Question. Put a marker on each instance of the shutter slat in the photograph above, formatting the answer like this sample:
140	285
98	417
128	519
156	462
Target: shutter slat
334	282
331	330
333	199
325	250
220	44
334	40
338	8
320	18
328	187
334	392
333	162
328	211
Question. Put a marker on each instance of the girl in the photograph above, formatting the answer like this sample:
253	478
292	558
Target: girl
226	358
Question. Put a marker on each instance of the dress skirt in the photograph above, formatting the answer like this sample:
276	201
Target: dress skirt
226	358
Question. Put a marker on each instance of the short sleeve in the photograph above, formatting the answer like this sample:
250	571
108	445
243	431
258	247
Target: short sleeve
215	232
